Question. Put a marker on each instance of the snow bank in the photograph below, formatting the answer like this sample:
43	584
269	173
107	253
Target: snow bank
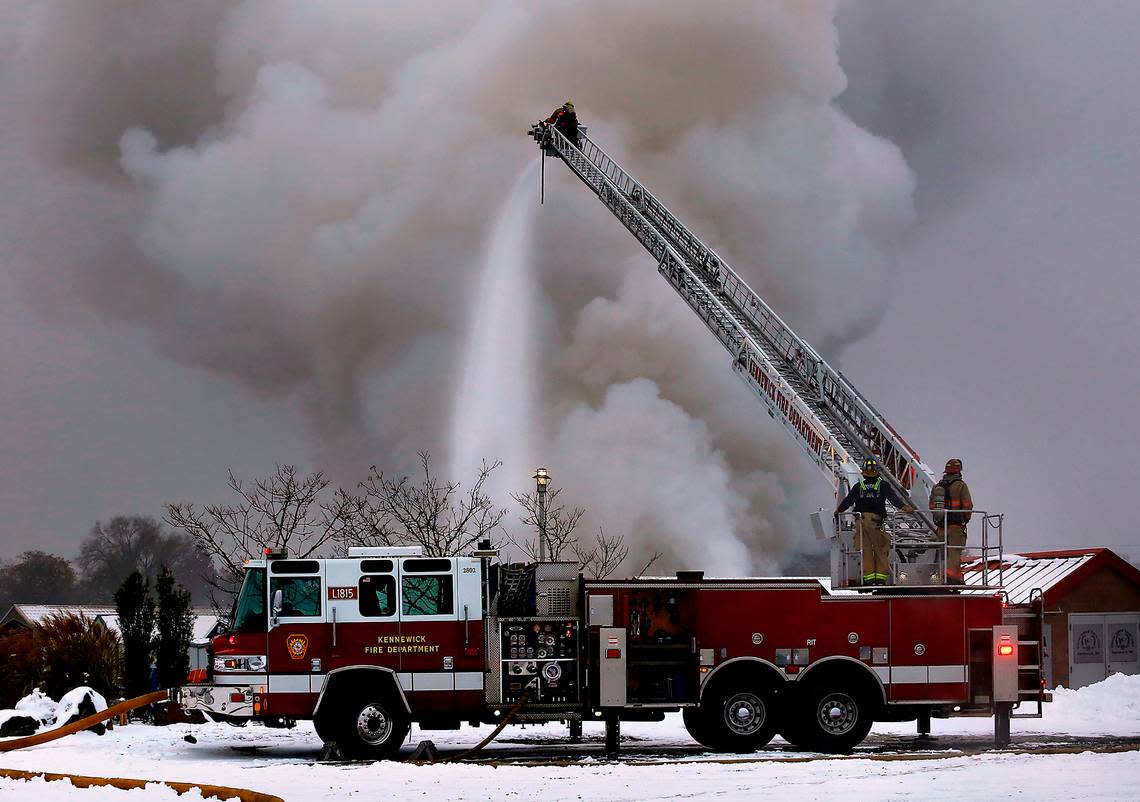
71	701
7	714
39	705
1109	707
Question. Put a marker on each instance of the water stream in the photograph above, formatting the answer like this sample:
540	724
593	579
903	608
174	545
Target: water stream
494	414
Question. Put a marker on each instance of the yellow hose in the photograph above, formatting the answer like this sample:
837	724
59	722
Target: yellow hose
208	791
84	723
79	781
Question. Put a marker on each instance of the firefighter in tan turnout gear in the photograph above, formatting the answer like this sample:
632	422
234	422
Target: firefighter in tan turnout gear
870	496
951	504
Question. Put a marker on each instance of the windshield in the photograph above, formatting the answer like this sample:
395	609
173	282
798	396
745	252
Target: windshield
249	609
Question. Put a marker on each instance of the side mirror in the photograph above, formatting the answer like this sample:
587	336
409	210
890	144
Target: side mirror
277	604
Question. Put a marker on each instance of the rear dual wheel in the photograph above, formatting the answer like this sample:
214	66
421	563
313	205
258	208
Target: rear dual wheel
829	718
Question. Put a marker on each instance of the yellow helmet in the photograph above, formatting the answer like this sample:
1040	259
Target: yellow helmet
569	104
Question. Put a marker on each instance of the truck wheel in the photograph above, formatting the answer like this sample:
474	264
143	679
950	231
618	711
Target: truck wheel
372	730
733	719
832	720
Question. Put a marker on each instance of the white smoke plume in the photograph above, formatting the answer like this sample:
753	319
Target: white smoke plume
294	195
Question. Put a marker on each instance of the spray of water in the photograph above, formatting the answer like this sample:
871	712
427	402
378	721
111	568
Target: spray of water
494	410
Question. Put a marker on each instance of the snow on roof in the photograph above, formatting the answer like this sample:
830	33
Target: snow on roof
1021	574
205	620
828	590
34	614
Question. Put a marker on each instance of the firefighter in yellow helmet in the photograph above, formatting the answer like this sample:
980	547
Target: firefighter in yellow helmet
951	505
870	496
566	121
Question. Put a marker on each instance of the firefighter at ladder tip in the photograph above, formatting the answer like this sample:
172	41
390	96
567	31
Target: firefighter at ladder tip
565	120
870	496
950	500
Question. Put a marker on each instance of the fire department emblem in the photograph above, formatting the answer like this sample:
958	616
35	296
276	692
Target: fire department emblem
297	646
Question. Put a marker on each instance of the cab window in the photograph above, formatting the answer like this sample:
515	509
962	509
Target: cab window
378	595
249	607
300	595
427	594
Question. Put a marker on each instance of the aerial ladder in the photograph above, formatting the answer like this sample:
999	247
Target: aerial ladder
823	412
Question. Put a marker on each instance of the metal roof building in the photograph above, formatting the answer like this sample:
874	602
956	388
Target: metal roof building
1022	574
1089	600
26	616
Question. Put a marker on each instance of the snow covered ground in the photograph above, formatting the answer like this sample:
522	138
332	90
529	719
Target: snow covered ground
282	762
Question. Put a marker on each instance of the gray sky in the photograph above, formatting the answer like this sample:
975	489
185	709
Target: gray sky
276	264
1022	122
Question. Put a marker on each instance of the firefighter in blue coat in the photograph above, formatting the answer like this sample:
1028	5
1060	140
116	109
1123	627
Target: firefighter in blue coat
870	496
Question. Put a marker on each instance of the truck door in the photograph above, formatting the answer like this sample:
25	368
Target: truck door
441	625
431	627
469	657
364	620
297	642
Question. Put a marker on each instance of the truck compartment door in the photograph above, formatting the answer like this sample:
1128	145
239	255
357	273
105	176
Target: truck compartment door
612	667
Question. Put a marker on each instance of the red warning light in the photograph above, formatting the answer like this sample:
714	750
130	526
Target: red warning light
1005	650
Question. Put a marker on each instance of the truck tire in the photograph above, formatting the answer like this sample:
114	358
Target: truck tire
831	719
371	730
733	717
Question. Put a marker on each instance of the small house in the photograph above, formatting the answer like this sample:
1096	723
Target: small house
1089	600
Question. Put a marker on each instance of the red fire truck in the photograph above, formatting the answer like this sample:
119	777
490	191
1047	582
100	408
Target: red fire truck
365	645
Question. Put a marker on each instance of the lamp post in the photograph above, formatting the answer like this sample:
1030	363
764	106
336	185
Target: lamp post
542	478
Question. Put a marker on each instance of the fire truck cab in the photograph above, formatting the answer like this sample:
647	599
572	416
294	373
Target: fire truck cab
398	632
366	644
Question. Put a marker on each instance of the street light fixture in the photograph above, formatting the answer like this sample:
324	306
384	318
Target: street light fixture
542	478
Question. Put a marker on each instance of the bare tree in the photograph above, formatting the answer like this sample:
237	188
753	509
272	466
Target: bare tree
598	559
654	557
433	514
281	511
127	543
560	524
37	578
606	555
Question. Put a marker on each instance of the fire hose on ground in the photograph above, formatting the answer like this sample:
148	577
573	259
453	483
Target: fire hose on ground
79	781
429	754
